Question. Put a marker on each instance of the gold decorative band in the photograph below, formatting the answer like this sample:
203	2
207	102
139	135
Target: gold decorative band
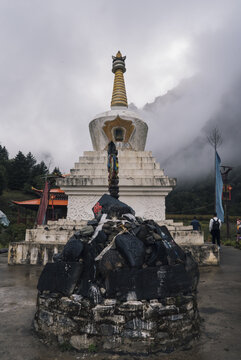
119	90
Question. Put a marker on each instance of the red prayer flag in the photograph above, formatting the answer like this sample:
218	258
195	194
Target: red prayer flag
43	205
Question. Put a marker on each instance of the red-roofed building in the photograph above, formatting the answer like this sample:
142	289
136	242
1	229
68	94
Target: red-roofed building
57	204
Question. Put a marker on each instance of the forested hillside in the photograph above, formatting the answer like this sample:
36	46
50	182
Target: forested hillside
17	177
197	197
21	172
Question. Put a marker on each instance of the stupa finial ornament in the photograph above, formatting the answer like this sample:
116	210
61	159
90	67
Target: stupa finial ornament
119	97
119	124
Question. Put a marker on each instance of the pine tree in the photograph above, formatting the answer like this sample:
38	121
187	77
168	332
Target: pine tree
38	175
3	168
18	172
3	178
3	155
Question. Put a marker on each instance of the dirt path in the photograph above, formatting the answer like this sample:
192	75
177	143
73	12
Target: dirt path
219	305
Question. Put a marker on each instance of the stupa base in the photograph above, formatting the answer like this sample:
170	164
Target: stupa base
136	327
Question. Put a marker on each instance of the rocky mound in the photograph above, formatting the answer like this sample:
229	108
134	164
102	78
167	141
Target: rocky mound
118	255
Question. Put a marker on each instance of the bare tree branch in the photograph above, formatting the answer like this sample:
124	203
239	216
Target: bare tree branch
215	138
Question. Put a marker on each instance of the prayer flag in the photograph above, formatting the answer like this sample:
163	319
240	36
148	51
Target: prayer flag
219	189
41	217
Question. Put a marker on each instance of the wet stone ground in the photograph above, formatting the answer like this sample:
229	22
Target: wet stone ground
219	300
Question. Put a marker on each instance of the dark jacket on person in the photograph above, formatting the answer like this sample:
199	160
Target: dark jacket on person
195	224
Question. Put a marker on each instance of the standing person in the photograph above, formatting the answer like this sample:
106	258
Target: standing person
214	228
238	230
195	224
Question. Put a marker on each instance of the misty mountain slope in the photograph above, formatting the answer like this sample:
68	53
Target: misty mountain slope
180	121
170	97
191	162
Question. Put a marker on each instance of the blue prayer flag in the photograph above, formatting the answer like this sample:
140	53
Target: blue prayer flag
219	189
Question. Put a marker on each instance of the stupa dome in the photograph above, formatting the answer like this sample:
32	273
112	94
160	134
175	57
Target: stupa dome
120	125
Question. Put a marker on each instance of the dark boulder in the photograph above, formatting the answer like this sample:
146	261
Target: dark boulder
158	254
110	261
142	232
148	283
93	222
175	254
192	269
60	277
88	275
141	283
99	242
73	249
131	248
112	207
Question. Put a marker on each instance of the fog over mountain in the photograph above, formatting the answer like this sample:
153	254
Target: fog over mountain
180	120
184	151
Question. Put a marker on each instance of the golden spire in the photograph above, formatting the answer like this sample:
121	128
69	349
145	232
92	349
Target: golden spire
119	91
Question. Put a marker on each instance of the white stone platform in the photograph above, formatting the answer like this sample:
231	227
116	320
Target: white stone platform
60	231
43	242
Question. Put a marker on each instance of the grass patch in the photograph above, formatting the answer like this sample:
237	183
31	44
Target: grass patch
92	348
233	243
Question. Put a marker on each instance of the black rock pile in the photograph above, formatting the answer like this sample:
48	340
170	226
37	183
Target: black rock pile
118	255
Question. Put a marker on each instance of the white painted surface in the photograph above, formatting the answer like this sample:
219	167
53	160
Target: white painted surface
99	138
142	184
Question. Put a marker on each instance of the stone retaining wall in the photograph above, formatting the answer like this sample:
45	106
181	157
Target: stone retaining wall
28	253
152	326
205	255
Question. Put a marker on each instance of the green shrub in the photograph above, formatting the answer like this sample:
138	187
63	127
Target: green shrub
65	346
13	233
233	243
92	348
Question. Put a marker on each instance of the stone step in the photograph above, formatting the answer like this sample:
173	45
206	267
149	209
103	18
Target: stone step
161	181
173	227
122	159
125	153
166	222
64	222
92	160
138	164
122	165
122	173
137	181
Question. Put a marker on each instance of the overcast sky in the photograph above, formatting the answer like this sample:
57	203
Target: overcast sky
55	69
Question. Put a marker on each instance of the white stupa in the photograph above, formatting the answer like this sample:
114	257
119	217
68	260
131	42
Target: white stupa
142	184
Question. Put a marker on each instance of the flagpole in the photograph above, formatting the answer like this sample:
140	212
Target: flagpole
215	177
215	140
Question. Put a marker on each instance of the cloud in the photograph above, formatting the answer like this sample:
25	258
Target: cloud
211	98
